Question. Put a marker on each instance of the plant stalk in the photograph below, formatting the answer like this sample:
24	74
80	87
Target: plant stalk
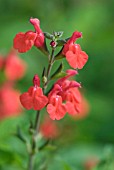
37	120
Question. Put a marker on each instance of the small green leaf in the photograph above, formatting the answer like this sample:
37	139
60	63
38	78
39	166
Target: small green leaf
58	73
58	34
61	42
48	35
44	72
59	54
20	135
50	147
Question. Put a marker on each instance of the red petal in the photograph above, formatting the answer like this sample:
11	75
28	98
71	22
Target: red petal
36	23
26	100
24	41
51	110
70	108
39	102
72	59
56	109
76	57
82	59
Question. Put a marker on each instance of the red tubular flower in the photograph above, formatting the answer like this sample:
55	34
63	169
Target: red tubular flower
74	55
39	41
55	108
14	66
34	98
9	102
84	109
49	129
64	97
24	41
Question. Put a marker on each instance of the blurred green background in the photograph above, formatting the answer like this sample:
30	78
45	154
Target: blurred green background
87	138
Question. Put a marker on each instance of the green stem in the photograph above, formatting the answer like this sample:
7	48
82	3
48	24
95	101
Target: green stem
50	63
31	162
37	120
49	69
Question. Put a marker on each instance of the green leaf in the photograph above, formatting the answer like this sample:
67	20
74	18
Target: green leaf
58	34
20	135
61	42
50	147
45	49
59	55
48	35
58	73
44	72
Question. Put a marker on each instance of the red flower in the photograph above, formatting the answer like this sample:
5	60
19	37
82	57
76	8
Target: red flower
39	41
9	102
24	41
49	129
34	98
56	108
14	66
74	55
64	97
73	101
84	109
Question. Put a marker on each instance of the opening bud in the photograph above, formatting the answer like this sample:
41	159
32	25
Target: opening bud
36	81
53	44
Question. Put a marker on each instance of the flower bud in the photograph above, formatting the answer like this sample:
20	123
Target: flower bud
36	81
44	79
53	44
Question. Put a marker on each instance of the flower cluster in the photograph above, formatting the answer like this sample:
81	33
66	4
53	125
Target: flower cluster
12	68
64	97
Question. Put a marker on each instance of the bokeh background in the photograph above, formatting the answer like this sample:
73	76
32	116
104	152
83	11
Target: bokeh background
83	140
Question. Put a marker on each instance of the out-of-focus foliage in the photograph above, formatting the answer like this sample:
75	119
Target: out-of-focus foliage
83	138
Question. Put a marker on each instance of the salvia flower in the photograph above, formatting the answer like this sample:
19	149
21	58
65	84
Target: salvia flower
34	98
24	41
9	102
74	55
64	97
84	109
15	67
